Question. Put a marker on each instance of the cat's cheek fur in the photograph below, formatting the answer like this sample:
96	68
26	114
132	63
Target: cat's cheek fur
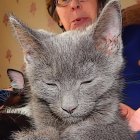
50	96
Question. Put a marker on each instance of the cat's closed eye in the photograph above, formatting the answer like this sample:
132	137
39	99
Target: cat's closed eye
86	82
51	84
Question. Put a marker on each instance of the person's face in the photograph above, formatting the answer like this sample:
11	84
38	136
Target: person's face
78	14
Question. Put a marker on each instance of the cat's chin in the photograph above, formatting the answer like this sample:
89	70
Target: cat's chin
72	119
75	117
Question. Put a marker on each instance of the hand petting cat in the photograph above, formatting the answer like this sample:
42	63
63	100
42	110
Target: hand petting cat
133	116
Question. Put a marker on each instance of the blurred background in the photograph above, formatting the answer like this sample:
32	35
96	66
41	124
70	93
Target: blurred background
34	13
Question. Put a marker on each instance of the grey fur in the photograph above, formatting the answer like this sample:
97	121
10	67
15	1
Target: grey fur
75	80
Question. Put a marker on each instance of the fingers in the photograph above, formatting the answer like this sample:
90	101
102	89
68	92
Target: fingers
134	122
126	111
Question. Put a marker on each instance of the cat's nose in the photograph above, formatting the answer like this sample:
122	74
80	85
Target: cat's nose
69	110
69	102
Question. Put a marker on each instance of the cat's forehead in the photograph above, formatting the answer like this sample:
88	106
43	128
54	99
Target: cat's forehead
70	40
69	46
69	53
75	35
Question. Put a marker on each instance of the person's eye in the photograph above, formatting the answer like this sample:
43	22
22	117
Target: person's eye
86	82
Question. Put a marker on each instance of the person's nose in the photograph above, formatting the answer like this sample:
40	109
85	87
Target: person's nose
75	4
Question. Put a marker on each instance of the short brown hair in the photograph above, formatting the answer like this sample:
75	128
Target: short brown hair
52	12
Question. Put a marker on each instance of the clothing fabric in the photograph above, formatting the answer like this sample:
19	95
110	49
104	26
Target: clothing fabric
4	95
131	41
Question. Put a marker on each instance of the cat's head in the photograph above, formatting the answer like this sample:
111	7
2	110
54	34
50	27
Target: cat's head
73	70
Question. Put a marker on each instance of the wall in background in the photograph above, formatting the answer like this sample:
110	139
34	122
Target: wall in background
127	3
32	12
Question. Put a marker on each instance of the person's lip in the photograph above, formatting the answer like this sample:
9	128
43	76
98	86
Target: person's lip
80	21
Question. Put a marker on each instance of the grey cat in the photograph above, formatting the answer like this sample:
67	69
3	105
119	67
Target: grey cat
75	80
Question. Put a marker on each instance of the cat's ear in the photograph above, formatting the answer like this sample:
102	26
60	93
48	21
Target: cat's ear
108	28
16	78
26	36
29	39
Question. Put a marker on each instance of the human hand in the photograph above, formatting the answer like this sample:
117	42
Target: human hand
134	122
133	116
126	111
